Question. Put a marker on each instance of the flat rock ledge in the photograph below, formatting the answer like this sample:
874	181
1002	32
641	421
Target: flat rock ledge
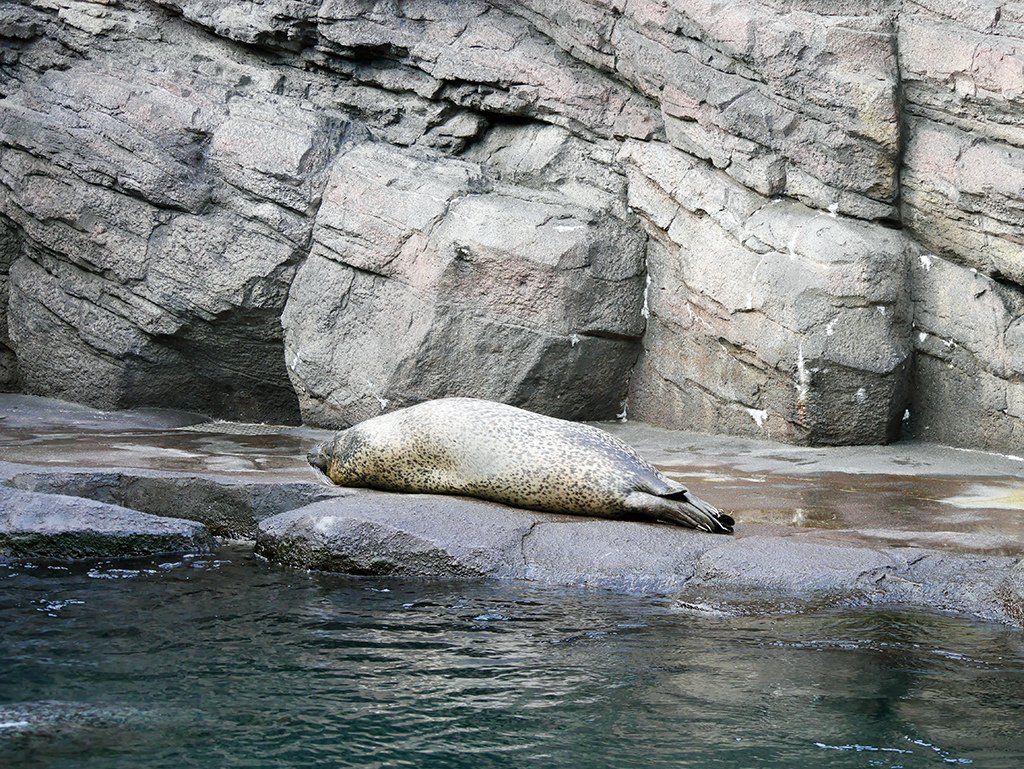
34	525
375	533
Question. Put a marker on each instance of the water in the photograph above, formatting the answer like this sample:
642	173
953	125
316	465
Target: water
229	662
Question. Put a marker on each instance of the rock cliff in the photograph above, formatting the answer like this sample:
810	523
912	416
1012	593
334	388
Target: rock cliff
789	218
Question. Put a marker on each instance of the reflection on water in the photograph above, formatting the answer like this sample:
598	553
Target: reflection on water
956	513
227	662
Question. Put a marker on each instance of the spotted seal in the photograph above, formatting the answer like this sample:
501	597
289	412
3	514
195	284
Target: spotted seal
488	450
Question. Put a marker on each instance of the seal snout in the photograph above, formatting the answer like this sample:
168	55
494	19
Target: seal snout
318	457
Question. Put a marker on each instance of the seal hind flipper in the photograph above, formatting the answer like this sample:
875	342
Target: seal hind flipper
723	521
682	508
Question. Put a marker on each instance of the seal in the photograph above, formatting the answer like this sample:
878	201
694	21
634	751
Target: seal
478	448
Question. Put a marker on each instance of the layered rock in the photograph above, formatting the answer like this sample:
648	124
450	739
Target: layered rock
169	166
797	101
766	317
162	216
962	68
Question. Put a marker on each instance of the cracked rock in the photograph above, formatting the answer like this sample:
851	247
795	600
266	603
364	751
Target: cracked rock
766	317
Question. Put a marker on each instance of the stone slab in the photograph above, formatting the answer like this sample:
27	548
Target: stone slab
56	526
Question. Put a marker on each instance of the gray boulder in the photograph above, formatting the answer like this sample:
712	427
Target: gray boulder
782	565
624	556
415	535
55	526
429	277
424	535
950	582
227	506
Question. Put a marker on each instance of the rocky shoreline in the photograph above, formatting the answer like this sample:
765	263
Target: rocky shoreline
80	483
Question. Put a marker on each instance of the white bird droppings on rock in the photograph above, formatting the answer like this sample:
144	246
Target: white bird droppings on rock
758	415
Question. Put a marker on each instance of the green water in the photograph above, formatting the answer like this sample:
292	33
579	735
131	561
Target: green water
230	662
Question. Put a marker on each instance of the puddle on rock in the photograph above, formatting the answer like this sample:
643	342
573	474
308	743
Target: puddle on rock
963	514
989	496
279	454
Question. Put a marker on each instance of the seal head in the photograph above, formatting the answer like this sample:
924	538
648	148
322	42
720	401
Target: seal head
318	457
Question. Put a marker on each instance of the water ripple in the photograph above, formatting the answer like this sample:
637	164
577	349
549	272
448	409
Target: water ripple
239	664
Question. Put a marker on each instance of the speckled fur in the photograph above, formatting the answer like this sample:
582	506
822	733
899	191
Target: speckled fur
478	448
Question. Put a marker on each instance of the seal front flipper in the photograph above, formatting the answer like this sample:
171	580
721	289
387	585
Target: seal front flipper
682	508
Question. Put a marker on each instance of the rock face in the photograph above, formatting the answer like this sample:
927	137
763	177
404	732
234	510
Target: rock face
799	220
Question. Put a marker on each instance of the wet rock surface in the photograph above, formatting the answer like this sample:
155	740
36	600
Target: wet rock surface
36	525
911	524
373	533
1012	593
